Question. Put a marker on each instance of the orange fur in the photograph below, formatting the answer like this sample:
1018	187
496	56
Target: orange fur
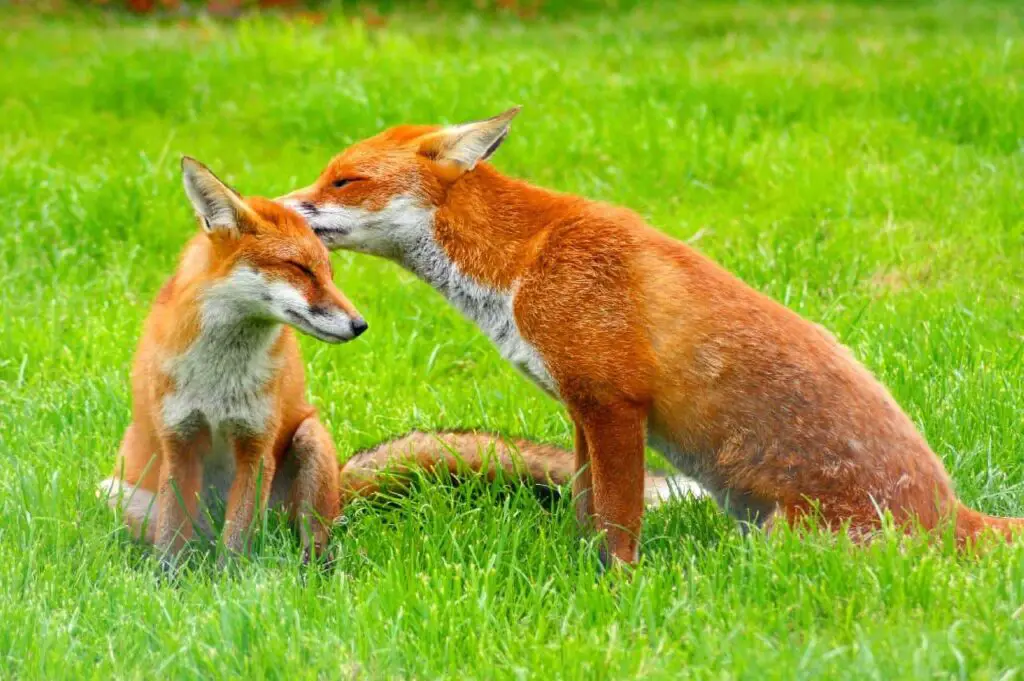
387	466
368	472
643	339
271	437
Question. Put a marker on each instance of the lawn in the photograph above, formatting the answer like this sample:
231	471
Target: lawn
862	164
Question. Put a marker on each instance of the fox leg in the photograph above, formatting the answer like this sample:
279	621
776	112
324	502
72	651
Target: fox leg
310	485
254	476
582	483
181	477
615	441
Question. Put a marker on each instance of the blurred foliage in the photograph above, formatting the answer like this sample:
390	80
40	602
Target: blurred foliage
375	12
372	11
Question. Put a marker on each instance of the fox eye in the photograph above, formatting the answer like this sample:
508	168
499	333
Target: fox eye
302	268
340	183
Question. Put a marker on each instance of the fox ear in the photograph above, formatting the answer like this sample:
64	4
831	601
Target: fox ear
465	145
219	206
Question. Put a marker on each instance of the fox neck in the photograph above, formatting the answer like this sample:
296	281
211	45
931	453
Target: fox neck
216	314
474	249
222	375
489	227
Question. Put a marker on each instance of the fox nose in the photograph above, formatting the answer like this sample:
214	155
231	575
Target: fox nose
359	325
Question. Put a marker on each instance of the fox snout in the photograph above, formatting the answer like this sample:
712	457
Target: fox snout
328	325
331	326
324	313
333	319
301	202
332	223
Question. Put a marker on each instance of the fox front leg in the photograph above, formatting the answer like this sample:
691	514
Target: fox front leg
254	475
615	444
181	477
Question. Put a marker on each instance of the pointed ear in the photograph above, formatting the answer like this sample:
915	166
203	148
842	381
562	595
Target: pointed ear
219	206
463	146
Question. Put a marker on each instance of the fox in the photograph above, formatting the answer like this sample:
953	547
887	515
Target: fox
643	339
220	420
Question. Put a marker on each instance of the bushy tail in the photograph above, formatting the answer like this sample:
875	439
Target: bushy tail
137	505
972	525
461	453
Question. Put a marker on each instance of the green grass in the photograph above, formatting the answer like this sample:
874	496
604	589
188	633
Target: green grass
863	164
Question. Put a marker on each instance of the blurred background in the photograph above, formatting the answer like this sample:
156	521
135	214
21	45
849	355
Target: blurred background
373	11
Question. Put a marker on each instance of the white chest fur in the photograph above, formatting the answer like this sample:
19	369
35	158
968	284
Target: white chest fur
221	379
220	383
404	231
490	309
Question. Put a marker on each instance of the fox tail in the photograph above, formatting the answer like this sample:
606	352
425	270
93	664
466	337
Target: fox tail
473	453
971	525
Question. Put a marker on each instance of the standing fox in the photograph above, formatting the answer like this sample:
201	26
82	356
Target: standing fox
219	410
643	339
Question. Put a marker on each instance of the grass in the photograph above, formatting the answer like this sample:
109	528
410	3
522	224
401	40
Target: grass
864	164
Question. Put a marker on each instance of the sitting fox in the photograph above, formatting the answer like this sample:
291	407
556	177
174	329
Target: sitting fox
219	413
642	338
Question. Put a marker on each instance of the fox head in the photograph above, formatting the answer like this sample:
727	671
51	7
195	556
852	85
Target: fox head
266	263
379	195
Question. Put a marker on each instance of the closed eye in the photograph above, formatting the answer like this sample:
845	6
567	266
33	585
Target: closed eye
342	181
302	268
